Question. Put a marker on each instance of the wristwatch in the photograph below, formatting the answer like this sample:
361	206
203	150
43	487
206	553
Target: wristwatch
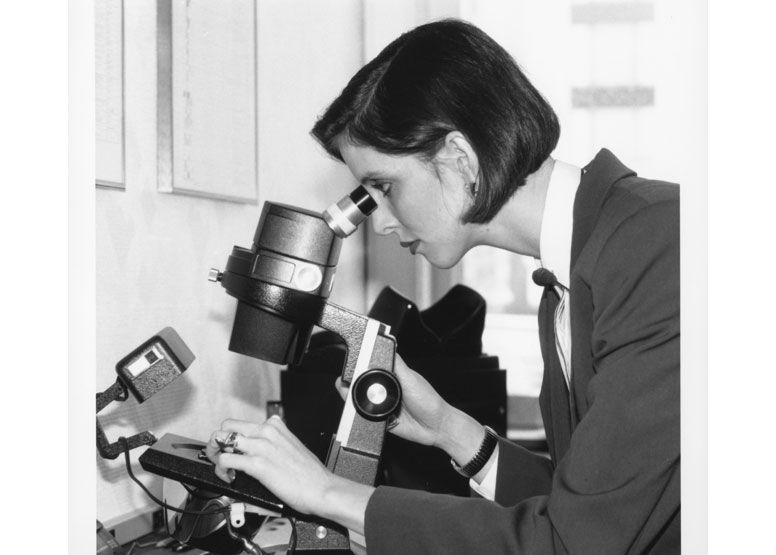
481	457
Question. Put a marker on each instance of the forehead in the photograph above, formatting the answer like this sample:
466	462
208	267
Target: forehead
367	163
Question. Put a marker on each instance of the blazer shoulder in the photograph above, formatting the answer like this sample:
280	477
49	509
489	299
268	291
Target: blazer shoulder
630	194
650	205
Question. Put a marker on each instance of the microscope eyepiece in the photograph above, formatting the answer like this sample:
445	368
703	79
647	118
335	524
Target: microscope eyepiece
363	200
345	215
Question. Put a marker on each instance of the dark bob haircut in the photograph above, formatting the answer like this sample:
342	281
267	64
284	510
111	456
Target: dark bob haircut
442	77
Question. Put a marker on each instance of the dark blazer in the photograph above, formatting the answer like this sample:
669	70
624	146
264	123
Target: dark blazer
612	484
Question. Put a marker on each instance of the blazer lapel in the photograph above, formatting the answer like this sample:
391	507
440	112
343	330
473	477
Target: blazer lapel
562	410
598	177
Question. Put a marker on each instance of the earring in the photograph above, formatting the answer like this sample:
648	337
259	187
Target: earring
474	187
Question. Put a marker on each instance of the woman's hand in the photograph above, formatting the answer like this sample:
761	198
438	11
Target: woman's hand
422	410
273	455
426	418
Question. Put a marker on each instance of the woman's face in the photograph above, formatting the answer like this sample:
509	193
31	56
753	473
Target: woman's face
420	202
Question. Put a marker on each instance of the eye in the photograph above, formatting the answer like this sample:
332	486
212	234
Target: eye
383	188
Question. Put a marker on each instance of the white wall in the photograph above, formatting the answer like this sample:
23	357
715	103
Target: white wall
666	140
154	249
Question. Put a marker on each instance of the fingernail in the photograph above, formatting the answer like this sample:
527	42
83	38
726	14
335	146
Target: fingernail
230	474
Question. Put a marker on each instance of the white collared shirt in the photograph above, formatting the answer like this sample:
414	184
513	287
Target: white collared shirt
555	253
555	250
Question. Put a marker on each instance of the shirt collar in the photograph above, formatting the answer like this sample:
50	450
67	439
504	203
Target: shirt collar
558	221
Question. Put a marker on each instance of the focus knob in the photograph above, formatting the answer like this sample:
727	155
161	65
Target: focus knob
376	394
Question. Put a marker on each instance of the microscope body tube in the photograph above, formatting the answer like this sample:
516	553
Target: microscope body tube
281	283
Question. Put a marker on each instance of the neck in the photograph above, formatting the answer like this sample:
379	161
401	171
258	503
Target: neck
518	225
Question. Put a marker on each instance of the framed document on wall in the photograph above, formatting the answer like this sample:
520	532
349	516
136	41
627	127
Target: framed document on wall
207	99
109	92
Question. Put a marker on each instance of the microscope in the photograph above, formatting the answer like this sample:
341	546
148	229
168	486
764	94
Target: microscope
282	284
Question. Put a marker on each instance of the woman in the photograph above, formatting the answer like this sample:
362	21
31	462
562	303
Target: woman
454	144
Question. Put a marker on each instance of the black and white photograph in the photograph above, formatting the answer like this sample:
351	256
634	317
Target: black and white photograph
391	277
402	277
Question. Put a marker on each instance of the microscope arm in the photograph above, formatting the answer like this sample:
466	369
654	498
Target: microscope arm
355	450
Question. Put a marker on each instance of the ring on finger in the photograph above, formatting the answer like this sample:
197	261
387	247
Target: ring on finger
229	444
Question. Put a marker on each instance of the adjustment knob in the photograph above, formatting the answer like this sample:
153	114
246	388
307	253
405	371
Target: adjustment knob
376	394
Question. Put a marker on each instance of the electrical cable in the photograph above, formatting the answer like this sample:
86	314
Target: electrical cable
292	543
247	545
155	499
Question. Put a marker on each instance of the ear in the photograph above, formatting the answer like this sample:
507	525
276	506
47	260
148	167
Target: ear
458	153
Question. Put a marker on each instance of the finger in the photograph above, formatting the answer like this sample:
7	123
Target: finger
272	430
401	369
342	389
409	379
224	473
277	435
213	448
276	431
228	463
276	422
244	445
240	426
393	421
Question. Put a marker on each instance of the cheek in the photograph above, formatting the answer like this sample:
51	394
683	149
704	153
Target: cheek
422	206
423	209
405	211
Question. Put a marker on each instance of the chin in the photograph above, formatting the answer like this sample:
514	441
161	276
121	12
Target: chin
443	261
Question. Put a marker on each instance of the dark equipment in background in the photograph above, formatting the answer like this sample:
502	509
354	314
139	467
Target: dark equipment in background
282	284
153	365
444	344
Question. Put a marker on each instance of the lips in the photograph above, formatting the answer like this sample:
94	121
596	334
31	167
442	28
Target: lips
413	245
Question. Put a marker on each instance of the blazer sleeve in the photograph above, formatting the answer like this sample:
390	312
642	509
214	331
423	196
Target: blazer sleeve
520	474
617	488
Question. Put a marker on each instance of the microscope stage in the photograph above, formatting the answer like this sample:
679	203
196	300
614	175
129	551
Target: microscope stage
178	458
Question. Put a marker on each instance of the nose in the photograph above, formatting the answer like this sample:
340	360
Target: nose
383	220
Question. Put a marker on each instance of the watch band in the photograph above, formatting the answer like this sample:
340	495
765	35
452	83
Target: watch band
481	457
